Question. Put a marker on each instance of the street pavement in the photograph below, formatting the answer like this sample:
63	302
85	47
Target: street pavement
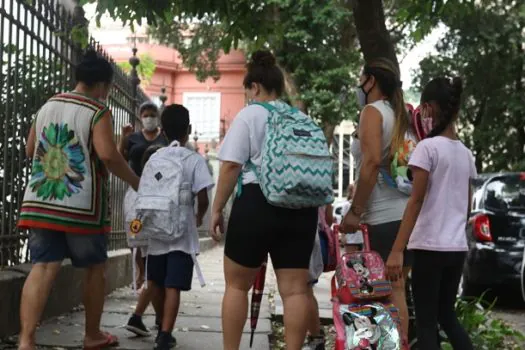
198	326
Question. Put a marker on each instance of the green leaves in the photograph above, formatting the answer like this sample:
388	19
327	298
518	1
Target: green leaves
486	332
305	35
145	69
483	45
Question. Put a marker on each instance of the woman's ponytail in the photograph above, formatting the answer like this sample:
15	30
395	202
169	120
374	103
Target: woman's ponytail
388	78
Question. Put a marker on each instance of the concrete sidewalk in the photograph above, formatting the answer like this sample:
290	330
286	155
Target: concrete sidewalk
198	326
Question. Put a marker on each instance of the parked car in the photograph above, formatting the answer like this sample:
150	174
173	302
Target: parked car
496	233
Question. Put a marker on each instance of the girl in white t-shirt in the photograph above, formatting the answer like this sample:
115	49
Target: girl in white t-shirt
435	218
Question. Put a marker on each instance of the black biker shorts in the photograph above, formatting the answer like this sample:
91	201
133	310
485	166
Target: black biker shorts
257	229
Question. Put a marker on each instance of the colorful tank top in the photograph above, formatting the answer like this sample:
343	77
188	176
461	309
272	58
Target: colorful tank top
68	188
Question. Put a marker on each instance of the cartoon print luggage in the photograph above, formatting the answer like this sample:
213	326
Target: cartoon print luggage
361	275
364	317
373	326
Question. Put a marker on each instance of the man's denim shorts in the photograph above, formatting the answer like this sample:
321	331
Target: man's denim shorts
84	250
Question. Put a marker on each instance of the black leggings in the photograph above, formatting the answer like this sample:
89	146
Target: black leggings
435	281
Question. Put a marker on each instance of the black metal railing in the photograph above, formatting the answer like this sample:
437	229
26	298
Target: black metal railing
38	52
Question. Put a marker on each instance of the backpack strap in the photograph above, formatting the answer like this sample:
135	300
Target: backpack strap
250	166
266	105
272	108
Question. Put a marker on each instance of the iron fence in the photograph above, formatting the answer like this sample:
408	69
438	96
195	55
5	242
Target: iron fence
38	54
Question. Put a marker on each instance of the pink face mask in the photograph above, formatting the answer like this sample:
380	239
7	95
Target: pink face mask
427	124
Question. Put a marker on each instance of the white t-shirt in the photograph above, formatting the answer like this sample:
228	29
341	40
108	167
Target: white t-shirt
443	217
195	171
245	139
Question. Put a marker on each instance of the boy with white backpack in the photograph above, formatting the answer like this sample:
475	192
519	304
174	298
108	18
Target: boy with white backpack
165	216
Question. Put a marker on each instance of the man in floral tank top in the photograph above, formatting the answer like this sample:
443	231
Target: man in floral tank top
66	204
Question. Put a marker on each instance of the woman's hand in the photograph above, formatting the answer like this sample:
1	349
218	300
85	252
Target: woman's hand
217	226
394	266
127	130
350	223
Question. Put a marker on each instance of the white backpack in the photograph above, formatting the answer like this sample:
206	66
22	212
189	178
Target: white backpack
164	200
163	204
135	239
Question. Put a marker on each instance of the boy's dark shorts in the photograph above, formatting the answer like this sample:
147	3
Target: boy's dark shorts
84	250
172	270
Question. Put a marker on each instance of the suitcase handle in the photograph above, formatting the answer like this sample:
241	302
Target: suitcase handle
366	238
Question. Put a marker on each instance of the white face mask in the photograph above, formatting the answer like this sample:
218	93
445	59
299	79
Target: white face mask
149	123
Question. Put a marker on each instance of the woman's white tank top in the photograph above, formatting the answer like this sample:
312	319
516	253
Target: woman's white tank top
386	204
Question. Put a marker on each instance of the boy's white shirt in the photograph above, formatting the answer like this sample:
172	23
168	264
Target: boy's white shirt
197	173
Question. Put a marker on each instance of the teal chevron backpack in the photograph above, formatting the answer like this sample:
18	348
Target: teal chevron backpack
296	169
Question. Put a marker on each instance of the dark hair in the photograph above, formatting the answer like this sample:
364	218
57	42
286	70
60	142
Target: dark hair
148	106
93	69
175	122
388	78
262	69
149	152
446	93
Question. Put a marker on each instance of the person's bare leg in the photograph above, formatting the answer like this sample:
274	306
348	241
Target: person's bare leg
239	280
145	297
293	287
400	301
314	322
94	295
141	269
157	299
171	309
34	297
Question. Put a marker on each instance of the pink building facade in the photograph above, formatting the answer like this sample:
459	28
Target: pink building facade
212	105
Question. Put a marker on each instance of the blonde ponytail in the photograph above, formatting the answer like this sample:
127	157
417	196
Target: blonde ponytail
402	124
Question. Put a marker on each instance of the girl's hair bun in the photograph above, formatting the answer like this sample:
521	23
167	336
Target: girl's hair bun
264	59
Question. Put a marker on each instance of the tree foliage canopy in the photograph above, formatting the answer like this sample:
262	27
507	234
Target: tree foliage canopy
484	44
317	45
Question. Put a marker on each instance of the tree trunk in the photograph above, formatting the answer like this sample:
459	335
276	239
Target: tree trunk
329	131
292	91
373	36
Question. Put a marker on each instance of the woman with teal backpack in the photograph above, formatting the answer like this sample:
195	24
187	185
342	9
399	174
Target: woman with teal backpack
263	220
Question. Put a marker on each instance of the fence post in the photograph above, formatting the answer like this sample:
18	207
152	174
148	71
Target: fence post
134	61
163	98
80	23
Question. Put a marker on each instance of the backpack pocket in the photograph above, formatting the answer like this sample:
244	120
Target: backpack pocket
157	217
185	208
311	175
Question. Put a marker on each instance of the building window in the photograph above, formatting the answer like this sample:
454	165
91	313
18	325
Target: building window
205	109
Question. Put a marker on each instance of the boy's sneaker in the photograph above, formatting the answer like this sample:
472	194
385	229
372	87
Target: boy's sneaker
315	343
136	326
165	341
